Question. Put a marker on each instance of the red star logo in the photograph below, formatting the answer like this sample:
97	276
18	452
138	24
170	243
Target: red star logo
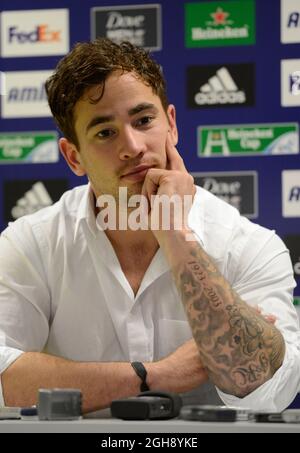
219	17
188	287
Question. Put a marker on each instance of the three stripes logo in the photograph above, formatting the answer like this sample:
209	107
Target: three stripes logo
33	200
220	86
25	197
220	89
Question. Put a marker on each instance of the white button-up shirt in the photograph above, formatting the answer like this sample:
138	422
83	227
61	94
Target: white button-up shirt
62	290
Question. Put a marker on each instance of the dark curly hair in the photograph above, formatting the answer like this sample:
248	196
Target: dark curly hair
89	64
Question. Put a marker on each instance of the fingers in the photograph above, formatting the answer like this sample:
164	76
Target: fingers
174	160
152	182
271	319
267	316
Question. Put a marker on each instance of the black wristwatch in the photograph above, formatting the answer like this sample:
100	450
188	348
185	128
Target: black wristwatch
142	374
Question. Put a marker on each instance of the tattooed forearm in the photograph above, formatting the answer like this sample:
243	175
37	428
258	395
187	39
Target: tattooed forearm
239	349
201	276
253	373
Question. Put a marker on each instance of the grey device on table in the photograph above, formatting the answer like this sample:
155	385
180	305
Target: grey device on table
10	413
291	416
59	404
207	413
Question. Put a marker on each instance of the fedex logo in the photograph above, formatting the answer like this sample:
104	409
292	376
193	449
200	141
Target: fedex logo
42	33
34	33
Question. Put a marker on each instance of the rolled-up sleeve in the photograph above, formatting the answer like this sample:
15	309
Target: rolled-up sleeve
264	277
24	295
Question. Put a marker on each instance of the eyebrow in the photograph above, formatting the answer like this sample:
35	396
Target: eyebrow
134	111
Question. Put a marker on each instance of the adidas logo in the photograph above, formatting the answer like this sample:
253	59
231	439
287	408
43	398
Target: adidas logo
220	89
32	201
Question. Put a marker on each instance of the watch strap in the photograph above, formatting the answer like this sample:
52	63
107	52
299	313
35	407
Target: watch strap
142	374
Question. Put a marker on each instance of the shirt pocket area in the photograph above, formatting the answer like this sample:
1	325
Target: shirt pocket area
172	334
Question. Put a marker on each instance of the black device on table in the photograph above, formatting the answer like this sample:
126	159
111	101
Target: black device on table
150	405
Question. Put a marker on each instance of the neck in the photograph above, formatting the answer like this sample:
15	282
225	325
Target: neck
130	240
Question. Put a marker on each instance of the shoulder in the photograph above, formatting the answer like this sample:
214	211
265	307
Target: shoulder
46	222
246	253
219	218
224	230
217	211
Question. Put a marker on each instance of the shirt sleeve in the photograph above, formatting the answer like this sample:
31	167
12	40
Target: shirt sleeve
24	295
264	277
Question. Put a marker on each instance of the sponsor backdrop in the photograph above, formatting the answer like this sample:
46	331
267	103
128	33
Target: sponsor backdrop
233	72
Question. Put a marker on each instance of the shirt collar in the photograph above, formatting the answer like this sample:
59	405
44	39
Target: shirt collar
86	211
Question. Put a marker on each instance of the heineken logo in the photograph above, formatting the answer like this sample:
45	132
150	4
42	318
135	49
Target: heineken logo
28	147
220	18
252	139
220	23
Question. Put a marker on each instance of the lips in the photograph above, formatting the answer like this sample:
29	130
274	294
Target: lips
137	174
136	170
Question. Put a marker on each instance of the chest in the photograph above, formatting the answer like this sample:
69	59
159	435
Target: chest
134	267
134	273
134	280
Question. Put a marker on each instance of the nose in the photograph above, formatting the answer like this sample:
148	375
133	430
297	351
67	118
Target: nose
132	144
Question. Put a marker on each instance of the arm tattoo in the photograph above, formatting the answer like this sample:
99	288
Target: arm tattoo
238	347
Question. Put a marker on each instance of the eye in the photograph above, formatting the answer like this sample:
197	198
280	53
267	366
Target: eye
105	133
145	121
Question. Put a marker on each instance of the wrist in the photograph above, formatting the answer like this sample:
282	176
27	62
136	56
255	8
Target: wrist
154	375
159	377
166	237
141	372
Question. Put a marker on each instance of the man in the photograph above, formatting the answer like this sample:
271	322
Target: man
80	303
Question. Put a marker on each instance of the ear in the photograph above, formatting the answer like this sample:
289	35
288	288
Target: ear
72	156
171	114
